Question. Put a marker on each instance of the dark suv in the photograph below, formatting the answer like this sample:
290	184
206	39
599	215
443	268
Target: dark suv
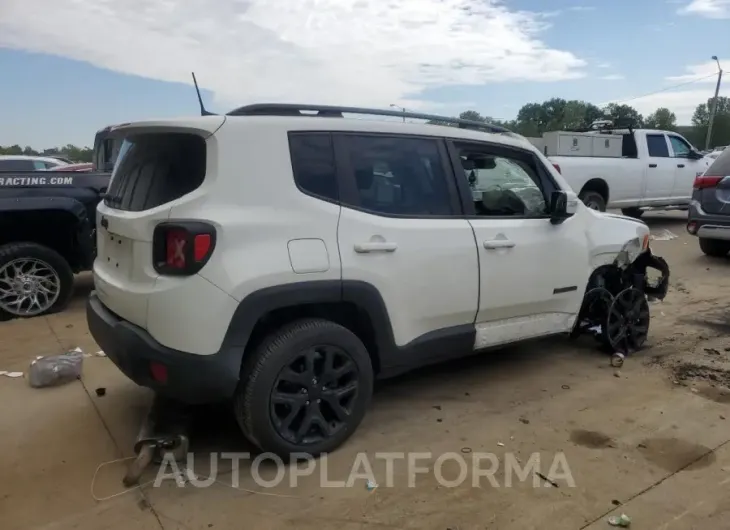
709	210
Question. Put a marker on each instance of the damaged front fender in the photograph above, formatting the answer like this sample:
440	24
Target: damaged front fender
615	307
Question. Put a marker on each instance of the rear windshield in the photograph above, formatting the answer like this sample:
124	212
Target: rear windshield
155	168
721	166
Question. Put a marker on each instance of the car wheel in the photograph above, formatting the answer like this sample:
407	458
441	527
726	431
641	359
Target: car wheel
305	389
716	248
636	213
34	280
593	200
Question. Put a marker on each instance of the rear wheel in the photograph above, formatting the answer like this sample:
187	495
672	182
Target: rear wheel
305	389
593	200
34	280
716	248
636	213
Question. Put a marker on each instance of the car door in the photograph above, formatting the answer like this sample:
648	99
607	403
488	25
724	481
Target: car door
402	232
660	169
687	168
532	273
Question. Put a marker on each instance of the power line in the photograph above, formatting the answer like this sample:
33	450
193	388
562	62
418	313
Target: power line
665	89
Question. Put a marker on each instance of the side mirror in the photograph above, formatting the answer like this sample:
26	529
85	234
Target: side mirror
560	209
695	155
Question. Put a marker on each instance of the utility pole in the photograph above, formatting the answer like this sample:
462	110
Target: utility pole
399	107
713	112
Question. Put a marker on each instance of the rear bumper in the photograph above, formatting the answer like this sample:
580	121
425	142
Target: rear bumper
709	226
191	378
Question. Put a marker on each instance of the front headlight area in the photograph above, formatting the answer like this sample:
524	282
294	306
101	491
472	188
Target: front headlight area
631	250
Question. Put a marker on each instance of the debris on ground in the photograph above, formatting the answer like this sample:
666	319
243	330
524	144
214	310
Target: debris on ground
11	374
622	521
663	235
55	369
371	485
617	360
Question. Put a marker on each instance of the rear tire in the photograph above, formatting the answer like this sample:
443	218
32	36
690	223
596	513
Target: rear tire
593	200
49	264
715	248
636	213
292	364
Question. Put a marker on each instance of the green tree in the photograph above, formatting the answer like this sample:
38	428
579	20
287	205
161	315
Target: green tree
623	115
721	125
663	119
555	114
70	151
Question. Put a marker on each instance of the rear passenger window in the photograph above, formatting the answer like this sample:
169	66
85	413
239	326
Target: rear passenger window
657	144
313	163
395	175
156	168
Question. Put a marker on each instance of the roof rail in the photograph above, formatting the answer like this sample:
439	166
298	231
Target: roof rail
292	109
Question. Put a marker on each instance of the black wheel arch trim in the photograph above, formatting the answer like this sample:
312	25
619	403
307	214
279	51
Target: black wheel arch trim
432	347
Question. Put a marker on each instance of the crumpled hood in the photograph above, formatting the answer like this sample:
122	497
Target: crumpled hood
618	216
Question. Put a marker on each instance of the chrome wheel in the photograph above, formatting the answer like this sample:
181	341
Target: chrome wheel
28	287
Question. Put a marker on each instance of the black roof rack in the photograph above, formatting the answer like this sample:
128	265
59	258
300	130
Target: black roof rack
292	109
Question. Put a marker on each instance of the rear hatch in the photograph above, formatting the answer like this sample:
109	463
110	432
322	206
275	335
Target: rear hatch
158	166
712	189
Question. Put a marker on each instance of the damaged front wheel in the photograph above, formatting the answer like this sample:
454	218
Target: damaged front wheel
627	321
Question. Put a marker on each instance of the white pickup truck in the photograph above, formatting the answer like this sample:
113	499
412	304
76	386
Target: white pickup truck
656	170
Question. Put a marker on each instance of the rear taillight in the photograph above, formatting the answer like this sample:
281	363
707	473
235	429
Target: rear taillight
182	248
556	166
703	181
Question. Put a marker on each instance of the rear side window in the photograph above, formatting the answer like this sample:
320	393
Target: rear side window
155	168
398	175
657	145
313	163
17	165
721	166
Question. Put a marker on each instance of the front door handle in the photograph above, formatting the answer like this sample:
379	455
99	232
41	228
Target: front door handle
364	248
652	165
499	243
680	165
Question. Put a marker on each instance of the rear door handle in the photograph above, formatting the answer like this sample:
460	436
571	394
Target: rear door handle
680	165
652	165
499	243
364	248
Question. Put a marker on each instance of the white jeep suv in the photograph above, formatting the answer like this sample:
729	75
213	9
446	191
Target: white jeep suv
284	260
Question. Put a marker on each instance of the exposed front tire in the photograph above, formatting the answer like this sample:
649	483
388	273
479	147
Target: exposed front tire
305	389
636	213
716	248
593	200
34	280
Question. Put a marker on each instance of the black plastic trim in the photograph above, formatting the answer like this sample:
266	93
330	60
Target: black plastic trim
561	290
208	378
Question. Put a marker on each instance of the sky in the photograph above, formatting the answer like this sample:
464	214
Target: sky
71	67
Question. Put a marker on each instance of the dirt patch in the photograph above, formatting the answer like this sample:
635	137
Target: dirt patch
673	454
713	393
591	439
693	371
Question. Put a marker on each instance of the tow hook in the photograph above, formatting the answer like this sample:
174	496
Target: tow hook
163	431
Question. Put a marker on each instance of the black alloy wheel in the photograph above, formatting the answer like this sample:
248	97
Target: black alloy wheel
313	395
627	323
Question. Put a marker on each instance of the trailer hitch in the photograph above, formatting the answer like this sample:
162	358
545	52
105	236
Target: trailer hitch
163	431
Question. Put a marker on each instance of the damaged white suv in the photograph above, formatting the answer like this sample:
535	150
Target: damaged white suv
284	256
